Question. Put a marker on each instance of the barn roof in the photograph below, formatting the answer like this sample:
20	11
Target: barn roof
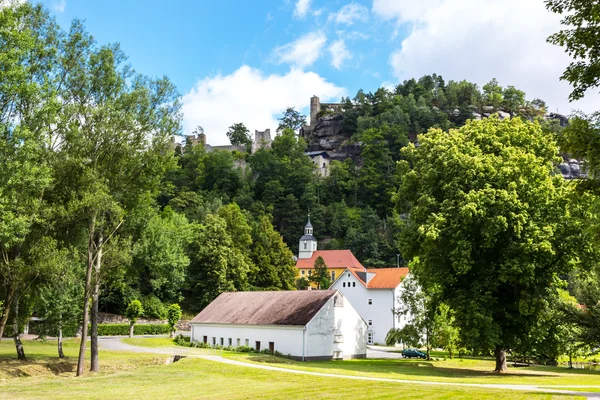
382	278
333	259
265	308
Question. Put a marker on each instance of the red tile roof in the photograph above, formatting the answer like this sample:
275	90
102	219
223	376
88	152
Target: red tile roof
386	278
333	259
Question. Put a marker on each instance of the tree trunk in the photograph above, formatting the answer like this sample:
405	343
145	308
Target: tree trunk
95	298
570	361
6	312
60	337
131	329
500	354
17	335
86	299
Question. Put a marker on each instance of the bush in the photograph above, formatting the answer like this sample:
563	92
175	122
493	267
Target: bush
122	329
153	307
173	316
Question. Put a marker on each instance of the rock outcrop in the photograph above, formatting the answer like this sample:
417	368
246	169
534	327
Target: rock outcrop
328	135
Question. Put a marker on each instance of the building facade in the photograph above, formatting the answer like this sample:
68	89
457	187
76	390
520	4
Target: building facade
375	294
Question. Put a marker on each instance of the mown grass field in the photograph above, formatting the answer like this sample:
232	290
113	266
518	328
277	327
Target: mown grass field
139	375
455	370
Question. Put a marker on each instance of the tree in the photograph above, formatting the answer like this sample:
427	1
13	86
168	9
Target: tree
173	317
115	131
133	312
302	283
488	227
581	42
239	135
291	119
493	93
446	334
27	108
320	276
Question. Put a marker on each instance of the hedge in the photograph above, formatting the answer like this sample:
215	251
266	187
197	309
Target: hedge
123	329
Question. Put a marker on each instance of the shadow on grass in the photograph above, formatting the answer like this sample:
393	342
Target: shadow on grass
384	366
14	368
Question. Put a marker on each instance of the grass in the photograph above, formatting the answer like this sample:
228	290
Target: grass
456	370
203	379
43	360
150	342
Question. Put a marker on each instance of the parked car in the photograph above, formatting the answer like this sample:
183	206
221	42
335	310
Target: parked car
413	353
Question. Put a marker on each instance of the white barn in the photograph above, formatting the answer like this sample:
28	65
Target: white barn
374	294
306	325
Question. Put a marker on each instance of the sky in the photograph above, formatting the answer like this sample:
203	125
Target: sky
247	61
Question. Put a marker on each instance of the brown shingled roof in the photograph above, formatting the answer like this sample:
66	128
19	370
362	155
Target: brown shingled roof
265	308
332	258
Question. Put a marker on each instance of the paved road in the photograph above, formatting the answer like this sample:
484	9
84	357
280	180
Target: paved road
115	344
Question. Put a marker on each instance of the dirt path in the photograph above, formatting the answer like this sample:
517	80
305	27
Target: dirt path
116	345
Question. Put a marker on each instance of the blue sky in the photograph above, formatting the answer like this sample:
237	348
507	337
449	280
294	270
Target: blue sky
246	61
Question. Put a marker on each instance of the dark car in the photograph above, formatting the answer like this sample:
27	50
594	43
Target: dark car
413	353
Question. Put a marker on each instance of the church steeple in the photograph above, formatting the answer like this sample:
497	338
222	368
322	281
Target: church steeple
308	243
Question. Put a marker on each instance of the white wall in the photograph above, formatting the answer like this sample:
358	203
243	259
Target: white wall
379	313
333	321
287	339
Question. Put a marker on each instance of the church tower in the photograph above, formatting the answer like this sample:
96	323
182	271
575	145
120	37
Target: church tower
308	243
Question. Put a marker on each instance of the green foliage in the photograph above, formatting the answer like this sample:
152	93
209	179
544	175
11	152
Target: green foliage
488	231
580	40
291	119
320	276
239	135
302	283
446	334
134	311
173	315
153	307
122	329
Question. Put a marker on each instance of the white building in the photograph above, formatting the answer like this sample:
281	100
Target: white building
374	294
321	160
306	325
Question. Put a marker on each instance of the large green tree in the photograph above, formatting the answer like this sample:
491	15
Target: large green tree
488	226
239	135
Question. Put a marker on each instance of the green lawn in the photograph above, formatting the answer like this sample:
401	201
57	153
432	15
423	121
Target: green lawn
43	361
150	342
456	370
203	379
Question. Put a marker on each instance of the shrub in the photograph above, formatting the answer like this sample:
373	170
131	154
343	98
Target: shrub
153	307
122	329
173	316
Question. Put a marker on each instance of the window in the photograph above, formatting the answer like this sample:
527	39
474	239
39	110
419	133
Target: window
222	341
205	339
214	341
370	338
309	272
239	341
272	347
348	275
305	245
338	338
344	284
370	302
353	284
323	165
247	342
338	301
257	346
302	272
370	322
230	342
332	276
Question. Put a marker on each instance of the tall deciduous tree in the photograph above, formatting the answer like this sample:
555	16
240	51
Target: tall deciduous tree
116	128
28	104
320	275
488	227
291	119
239	135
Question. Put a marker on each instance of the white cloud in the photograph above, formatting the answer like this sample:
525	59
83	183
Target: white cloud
339	53
60	6
301	9
481	39
302	52
250	97
350	13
